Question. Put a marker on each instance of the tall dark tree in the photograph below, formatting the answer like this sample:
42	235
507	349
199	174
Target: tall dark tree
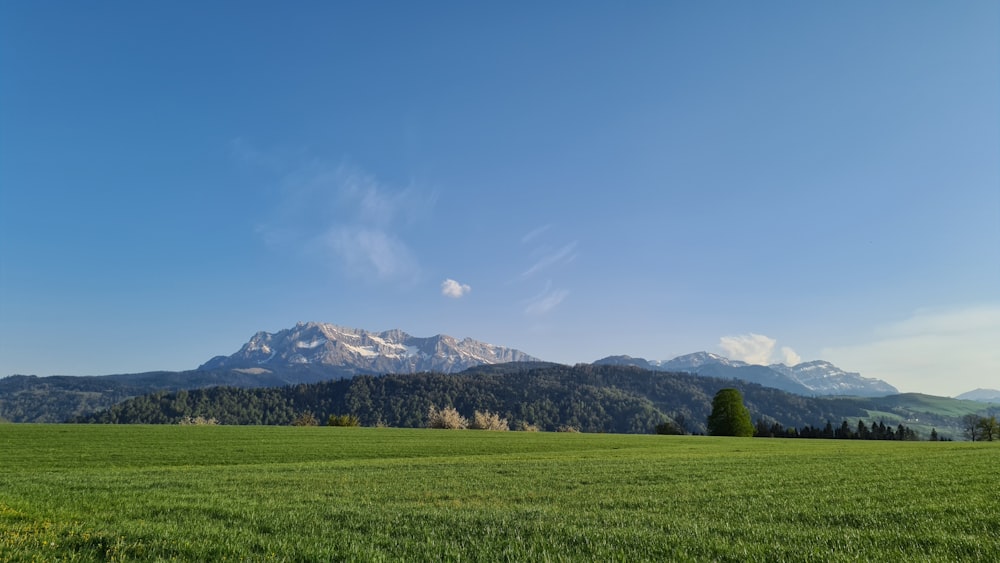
729	417
863	432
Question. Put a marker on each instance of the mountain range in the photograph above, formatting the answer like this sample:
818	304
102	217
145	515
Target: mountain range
355	351
359	351
808	378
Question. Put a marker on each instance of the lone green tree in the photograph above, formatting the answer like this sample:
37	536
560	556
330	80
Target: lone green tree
989	429
729	416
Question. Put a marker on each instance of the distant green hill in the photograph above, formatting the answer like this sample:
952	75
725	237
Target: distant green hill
920	412
28	398
929	404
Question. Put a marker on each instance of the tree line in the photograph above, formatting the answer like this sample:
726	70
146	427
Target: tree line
730	417
845	431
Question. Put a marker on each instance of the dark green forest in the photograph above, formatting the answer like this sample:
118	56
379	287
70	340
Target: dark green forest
58	398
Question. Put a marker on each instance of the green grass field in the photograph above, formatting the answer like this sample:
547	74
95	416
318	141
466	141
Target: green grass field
123	493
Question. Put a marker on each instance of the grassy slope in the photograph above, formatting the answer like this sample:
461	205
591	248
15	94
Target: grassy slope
82	493
943	406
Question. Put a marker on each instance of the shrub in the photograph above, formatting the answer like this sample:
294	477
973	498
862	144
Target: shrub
197	421
305	419
343	420
523	426
669	428
489	421
447	418
568	428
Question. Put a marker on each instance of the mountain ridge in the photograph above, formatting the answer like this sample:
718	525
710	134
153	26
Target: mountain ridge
817	377
358	351
361	351
981	395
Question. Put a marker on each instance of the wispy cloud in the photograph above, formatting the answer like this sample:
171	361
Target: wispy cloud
757	349
372	251
545	257
549	258
941	351
534	233
454	289
545	301
339	213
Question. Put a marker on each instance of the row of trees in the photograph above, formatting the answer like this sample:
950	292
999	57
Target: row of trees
730	417
845	431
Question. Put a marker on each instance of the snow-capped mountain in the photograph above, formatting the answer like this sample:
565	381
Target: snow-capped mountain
809	378
824	378
360	351
686	363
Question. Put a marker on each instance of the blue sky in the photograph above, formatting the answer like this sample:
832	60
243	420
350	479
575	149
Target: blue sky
770	181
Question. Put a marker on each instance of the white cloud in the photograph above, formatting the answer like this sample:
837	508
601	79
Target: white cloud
453	289
789	357
757	349
750	348
936	351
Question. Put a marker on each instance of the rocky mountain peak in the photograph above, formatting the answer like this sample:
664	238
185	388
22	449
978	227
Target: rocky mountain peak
361	351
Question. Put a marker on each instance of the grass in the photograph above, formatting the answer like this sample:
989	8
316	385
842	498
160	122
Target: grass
123	493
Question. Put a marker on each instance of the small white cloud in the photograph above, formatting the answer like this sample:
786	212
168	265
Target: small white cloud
453	289
789	357
750	348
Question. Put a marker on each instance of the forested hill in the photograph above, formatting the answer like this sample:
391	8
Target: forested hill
591	398
27	398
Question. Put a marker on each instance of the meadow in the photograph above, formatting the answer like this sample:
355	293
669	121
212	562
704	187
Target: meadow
199	493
